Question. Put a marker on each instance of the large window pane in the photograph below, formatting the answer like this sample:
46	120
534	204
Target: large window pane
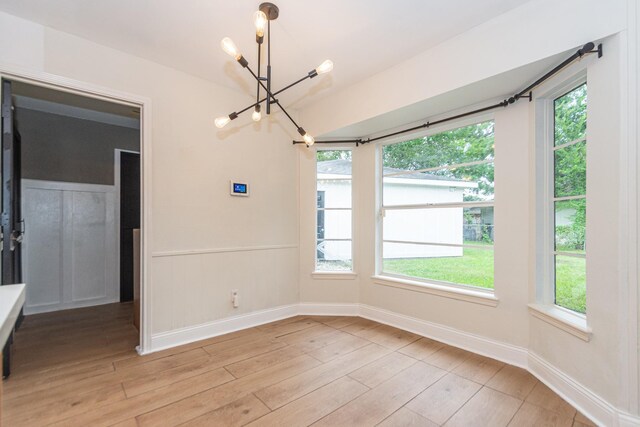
571	283
451	167
473	225
571	116
333	256
571	170
570	226
466	266
467	183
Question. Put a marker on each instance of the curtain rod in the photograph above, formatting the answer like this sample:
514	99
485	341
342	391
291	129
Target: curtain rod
586	49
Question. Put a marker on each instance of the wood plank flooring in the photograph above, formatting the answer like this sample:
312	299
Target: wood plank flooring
79	368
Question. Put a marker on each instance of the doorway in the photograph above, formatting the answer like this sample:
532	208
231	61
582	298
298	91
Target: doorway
88	201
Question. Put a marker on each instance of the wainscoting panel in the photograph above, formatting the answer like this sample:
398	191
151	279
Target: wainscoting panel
264	276
69	250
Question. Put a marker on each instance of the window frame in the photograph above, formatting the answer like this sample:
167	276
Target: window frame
333	274
544	307
553	252
470	293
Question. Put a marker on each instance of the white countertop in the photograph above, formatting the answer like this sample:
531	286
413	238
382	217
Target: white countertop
11	301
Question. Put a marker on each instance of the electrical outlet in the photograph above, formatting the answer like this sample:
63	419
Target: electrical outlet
235	299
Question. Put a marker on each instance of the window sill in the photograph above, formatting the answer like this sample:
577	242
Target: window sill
477	297
334	275
574	324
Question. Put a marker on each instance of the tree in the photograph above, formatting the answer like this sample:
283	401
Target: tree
457	146
324	156
570	165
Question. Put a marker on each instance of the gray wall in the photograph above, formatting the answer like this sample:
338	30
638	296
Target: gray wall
61	148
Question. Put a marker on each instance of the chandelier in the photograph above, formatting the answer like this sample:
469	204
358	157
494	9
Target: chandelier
262	19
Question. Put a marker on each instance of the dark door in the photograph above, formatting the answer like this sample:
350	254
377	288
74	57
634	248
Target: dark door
11	216
129	219
10	220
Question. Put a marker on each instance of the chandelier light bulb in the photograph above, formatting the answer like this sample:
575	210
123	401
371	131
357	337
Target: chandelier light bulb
308	139
325	67
256	115
222	121
230	47
260	21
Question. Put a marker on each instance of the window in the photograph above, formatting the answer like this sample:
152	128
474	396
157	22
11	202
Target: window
333	227
569	200
437	207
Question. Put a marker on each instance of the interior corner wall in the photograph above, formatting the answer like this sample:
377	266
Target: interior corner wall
204	242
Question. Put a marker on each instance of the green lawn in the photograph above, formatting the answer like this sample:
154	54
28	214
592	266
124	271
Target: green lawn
571	279
475	268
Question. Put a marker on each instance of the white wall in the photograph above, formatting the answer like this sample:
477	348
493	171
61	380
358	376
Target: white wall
200	235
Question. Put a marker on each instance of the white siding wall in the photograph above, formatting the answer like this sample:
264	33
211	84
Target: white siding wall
421	225
337	223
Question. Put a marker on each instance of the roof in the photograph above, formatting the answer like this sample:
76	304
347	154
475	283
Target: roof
343	167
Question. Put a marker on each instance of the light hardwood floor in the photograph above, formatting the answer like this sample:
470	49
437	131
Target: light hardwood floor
78	368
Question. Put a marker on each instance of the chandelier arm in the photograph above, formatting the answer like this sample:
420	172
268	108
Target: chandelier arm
260	101
292	84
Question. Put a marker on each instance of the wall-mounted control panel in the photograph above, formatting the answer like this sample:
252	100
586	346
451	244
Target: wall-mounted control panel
239	188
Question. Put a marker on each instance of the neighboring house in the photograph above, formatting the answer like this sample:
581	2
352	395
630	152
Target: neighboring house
443	225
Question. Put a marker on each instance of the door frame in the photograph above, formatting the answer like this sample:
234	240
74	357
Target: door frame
116	185
55	82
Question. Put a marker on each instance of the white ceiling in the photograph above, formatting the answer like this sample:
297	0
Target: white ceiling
362	37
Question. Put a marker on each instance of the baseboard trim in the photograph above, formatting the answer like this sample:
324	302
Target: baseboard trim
628	420
329	309
581	397
190	334
586	401
507	353
47	308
